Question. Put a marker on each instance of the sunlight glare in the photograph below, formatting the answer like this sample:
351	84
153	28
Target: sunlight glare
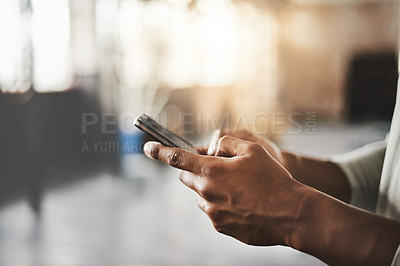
50	40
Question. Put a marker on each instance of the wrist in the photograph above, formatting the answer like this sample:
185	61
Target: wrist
340	234
291	162
303	219
298	204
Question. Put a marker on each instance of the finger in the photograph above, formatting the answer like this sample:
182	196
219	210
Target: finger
202	150
175	157
213	142
229	147
202	203
240	134
207	208
205	188
190	180
178	158
217	215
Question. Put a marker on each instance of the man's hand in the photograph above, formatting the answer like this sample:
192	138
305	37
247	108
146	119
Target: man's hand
268	145
248	195
245	192
319	174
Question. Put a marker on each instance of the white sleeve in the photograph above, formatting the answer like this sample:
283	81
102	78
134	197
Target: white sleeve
363	168
396	259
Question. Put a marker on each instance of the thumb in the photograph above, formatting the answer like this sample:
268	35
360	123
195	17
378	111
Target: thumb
212	148
175	157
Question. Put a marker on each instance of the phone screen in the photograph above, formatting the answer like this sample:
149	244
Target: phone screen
163	135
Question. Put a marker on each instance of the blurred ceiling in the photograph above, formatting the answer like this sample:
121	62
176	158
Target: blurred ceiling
329	2
274	3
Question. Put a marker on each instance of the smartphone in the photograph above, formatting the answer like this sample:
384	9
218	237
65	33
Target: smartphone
161	134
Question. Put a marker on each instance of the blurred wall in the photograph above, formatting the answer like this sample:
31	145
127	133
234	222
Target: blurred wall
41	134
317	42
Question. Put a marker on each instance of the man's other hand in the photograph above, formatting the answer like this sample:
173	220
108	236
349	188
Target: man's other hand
268	145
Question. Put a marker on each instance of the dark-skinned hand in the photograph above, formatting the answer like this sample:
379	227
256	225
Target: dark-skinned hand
245	191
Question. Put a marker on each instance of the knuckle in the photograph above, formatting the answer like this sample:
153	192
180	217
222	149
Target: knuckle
205	192
224	139
247	241
219	228
251	239
256	148
181	176
210	170
243	132
174	159
212	212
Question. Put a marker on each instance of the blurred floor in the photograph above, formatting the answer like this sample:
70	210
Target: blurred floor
107	220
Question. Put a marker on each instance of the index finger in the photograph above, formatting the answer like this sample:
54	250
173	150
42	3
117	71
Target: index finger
201	149
176	157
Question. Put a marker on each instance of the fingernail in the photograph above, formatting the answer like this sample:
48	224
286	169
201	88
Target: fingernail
213	142
147	148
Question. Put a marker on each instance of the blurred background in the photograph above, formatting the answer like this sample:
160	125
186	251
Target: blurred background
318	77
